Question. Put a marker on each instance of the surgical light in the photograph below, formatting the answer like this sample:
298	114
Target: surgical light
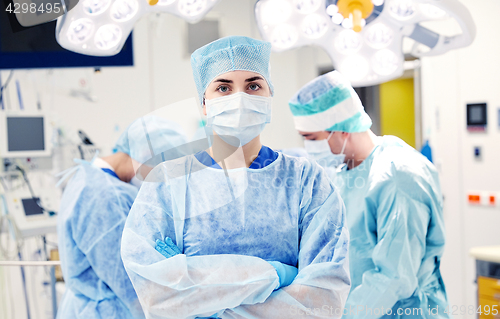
115	19
165	2
95	7
379	36
347	23
80	31
124	10
364	38
337	18
276	11
332	9
307	6
356	66
402	9
192	8
108	36
284	37
348	42
432	11
314	26
385	62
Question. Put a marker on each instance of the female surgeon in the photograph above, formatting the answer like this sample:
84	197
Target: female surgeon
261	235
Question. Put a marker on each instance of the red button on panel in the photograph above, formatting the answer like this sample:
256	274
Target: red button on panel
474	199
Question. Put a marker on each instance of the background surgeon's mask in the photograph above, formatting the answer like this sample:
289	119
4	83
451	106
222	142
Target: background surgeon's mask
321	152
240	115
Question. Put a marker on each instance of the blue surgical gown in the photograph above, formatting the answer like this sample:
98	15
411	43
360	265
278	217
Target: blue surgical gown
229	223
395	218
93	210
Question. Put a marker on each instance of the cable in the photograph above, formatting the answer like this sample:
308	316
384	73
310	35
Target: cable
5	86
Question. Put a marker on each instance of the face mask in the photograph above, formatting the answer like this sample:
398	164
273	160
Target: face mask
238	115
321	152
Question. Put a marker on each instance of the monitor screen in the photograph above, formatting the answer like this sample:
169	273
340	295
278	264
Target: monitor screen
477	114
25	134
36	47
31	208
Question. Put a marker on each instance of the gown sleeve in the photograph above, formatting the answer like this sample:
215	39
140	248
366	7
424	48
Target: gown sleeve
403	216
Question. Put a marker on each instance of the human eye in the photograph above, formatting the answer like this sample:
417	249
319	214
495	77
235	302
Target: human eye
222	89
254	86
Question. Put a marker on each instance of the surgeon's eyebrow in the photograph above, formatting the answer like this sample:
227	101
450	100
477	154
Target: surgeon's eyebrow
223	81
255	78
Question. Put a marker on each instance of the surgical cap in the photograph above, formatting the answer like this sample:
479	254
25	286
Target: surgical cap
230	54
329	103
149	136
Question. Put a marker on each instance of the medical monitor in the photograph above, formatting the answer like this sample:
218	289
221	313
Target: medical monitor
24	136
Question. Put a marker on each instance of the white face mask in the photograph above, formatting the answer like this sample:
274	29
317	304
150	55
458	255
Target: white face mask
239	115
321	152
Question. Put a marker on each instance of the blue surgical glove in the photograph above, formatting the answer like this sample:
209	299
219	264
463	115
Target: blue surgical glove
167	247
286	273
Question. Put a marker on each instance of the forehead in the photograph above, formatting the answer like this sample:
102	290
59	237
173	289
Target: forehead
237	76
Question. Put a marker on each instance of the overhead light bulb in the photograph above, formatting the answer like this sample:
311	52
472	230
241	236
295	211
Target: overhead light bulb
108	36
124	10
379	36
347	23
284	36
314	26
338	18
385	62
348	42
402	9
276	11
192	8
165	2
307	6
95	7
354	67
80	30
432	11
331	10
378	2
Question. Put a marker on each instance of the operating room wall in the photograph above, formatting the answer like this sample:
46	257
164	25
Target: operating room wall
449	82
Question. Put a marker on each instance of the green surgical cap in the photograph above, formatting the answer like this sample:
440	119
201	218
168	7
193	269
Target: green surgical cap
329	103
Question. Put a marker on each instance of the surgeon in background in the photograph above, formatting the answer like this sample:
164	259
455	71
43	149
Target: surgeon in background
261	235
94	206
393	202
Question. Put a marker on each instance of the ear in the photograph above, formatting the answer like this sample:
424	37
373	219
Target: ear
204	109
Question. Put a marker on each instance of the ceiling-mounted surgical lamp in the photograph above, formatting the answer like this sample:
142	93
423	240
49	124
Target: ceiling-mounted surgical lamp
100	27
363	37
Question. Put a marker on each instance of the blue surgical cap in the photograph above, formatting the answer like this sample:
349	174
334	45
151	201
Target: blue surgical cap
149	136
230	54
329	103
